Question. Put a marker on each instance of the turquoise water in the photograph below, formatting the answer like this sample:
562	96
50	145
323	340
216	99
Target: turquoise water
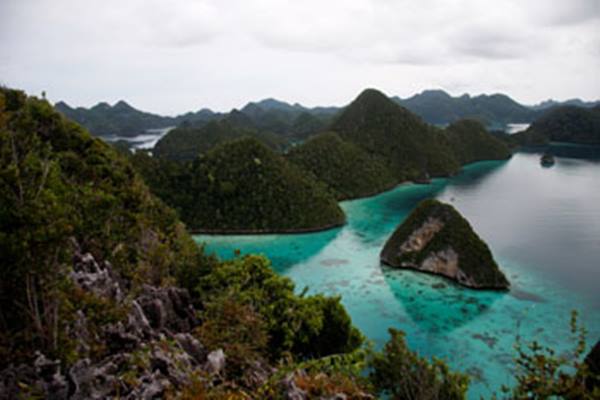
542	224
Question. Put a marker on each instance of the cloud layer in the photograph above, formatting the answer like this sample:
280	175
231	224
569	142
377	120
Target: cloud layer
185	54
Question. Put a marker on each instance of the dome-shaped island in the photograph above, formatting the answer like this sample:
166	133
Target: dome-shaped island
436	239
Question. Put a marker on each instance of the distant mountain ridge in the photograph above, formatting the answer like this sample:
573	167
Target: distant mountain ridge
550	103
297	121
439	108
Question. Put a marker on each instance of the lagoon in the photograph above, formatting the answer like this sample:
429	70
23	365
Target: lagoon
542	225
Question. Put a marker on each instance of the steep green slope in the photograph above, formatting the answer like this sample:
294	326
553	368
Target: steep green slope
241	186
347	169
186	143
471	142
88	263
435	238
384	129
566	124
61	189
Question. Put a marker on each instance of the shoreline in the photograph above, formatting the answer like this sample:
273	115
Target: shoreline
499	289
289	231
299	231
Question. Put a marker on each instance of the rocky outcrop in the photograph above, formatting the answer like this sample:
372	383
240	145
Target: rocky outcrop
436	239
149	352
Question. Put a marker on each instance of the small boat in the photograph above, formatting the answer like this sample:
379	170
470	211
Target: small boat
547	160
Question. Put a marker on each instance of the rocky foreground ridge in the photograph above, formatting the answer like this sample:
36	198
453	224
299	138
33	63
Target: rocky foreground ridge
152	346
436	239
151	352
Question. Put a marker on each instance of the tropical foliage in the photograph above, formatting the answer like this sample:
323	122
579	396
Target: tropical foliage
60	188
409	147
565	124
470	142
243	186
187	143
347	169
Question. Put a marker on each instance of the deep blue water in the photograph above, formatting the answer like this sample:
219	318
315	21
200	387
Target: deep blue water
542	224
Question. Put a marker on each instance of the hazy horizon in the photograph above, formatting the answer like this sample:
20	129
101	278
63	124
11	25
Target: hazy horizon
170	58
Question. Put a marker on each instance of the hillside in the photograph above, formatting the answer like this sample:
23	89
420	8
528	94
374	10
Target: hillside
439	108
565	124
409	147
243	186
63	190
89	260
471	142
186	143
347	169
436	239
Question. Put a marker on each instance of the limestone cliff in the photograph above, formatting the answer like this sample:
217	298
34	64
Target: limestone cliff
436	239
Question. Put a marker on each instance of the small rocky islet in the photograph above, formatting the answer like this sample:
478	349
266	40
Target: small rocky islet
437	239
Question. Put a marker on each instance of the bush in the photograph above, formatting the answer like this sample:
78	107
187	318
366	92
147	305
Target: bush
404	375
303	327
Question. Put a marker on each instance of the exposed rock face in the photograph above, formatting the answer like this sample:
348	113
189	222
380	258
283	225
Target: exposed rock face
152	345
419	238
436	239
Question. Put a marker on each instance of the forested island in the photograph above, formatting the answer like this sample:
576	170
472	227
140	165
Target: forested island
372	146
436	239
242	186
568	124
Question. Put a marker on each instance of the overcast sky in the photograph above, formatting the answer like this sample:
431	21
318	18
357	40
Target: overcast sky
179	55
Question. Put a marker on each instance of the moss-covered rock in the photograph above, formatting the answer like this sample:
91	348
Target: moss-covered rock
436	239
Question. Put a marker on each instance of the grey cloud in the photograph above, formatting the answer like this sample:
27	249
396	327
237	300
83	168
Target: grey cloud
219	53
490	44
569	12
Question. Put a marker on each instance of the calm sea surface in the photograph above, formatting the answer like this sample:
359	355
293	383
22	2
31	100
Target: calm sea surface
542	224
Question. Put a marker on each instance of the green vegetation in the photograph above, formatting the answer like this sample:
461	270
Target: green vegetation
543	374
409	147
187	143
242	186
59	186
471	142
564	124
402	374
475	262
63	191
307	327
347	169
